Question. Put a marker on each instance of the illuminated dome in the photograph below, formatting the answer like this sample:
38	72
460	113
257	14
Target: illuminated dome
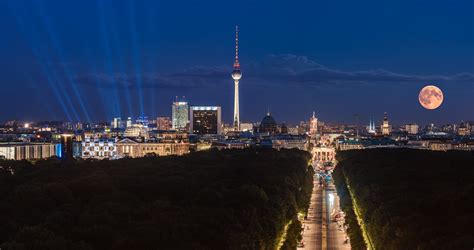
268	124
236	74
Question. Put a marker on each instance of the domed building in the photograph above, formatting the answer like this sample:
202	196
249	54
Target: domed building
268	125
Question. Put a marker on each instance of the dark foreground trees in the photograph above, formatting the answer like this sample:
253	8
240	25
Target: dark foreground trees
239	199
413	199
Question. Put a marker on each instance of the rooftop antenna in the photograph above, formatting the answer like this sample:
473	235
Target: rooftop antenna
236	63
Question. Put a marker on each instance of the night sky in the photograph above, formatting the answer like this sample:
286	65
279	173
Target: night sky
93	60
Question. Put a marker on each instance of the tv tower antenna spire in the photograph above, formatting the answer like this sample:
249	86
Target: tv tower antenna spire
236	63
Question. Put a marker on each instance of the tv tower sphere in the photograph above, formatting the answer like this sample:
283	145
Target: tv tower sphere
236	74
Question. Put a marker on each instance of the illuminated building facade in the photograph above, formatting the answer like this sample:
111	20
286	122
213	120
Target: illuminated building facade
170	144
67	146
163	123
385	128
137	130
412	129
180	115
96	148
323	154
246	126
205	120
371	128
313	126
29	151
117	123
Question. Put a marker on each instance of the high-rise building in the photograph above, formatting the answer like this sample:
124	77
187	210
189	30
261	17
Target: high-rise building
386	128
116	122
66	146
412	129
180	115
129	122
236	75
205	120
163	123
313	125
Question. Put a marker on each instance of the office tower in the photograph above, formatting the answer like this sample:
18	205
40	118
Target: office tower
66	146
180	115
205	120
116	122
163	123
129	122
236	75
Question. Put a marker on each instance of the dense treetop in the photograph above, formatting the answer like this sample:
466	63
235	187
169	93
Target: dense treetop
413	199
229	199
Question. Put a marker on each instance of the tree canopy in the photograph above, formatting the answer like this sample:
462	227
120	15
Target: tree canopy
412	199
228	199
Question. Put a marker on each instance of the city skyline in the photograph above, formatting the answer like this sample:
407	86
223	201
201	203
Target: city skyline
69	68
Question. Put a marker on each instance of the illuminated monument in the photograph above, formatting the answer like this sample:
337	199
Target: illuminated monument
385	128
236	75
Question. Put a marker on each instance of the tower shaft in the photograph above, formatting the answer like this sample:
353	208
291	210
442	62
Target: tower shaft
236	106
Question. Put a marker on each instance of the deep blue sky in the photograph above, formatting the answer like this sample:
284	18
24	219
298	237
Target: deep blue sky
94	60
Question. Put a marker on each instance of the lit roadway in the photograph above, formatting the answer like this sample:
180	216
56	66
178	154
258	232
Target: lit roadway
335	234
320	232
312	235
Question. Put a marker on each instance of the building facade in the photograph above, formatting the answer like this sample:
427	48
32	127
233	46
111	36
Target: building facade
95	148
313	126
131	148
117	123
412	129
180	115
205	120
29	151
137	130
385	128
163	123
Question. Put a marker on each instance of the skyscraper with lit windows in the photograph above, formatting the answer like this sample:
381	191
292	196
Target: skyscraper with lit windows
180	115
205	120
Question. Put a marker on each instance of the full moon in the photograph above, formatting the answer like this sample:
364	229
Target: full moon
431	97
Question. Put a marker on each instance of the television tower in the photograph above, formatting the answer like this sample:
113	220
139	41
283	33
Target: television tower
236	75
